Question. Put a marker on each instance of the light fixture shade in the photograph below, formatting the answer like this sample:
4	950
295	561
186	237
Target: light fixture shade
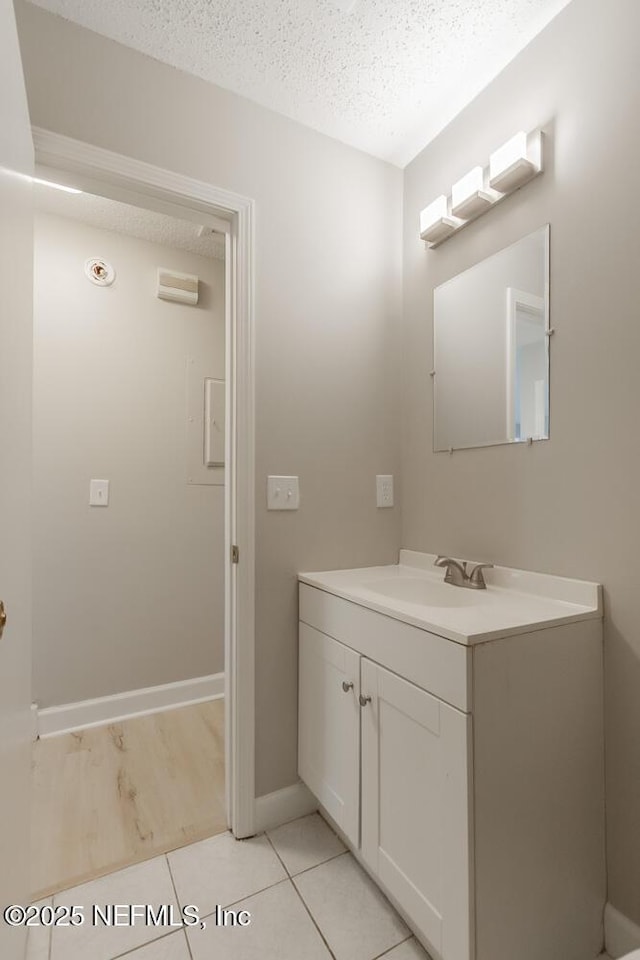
435	222
515	162
469	198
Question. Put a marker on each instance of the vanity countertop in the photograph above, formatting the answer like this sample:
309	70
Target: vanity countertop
413	590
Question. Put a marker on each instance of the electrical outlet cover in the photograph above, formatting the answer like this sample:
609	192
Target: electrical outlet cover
384	490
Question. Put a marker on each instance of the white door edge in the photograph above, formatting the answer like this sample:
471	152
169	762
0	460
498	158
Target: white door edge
127	179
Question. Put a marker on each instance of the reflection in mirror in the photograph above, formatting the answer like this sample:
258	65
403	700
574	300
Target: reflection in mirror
491	349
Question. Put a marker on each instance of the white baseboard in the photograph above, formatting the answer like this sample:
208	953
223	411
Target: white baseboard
279	807
53	721
621	935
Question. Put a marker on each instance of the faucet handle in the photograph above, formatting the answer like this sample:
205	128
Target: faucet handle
476	576
456	571
449	562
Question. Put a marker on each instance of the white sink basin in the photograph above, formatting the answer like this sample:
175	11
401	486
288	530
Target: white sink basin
515	601
425	592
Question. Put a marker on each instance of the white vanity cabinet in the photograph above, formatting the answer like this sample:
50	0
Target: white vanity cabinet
389	762
415	805
329	726
466	777
413	811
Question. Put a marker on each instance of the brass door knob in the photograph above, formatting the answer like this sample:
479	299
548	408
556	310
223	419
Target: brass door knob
3	618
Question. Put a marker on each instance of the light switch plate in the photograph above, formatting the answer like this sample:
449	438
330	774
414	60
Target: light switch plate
283	493
99	493
384	490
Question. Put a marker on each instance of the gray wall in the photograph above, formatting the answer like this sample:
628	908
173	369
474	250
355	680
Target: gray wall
570	505
327	313
131	595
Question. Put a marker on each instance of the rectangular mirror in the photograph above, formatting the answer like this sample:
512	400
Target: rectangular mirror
491	349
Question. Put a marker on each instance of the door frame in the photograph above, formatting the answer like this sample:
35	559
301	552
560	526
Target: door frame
534	305
133	181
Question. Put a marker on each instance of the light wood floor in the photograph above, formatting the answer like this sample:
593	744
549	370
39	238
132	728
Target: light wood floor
110	796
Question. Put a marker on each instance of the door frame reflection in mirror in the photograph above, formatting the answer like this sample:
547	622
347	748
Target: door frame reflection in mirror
514	298
519	301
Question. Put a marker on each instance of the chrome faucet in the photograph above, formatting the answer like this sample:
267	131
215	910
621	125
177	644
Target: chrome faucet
457	573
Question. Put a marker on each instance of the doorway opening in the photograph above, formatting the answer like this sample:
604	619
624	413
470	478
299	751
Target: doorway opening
129	543
230	216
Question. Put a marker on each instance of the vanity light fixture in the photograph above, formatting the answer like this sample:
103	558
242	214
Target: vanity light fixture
436	223
516	162
511	166
469	197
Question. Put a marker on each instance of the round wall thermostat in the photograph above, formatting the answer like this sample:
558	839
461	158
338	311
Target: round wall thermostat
99	271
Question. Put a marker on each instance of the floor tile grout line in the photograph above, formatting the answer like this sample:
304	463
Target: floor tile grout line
50	950
321	864
141	946
313	919
285	867
179	902
186	940
234	903
302	901
385	953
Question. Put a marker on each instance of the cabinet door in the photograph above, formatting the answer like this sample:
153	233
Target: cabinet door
416	807
329	726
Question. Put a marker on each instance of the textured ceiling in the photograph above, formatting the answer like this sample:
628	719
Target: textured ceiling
383	75
134	221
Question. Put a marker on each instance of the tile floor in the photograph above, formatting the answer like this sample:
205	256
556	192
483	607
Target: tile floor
308	900
307	897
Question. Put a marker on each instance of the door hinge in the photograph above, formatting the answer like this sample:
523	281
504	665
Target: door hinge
235	554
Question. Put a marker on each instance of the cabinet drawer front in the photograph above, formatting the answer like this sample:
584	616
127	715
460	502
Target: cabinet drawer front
434	663
416	822
329	727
